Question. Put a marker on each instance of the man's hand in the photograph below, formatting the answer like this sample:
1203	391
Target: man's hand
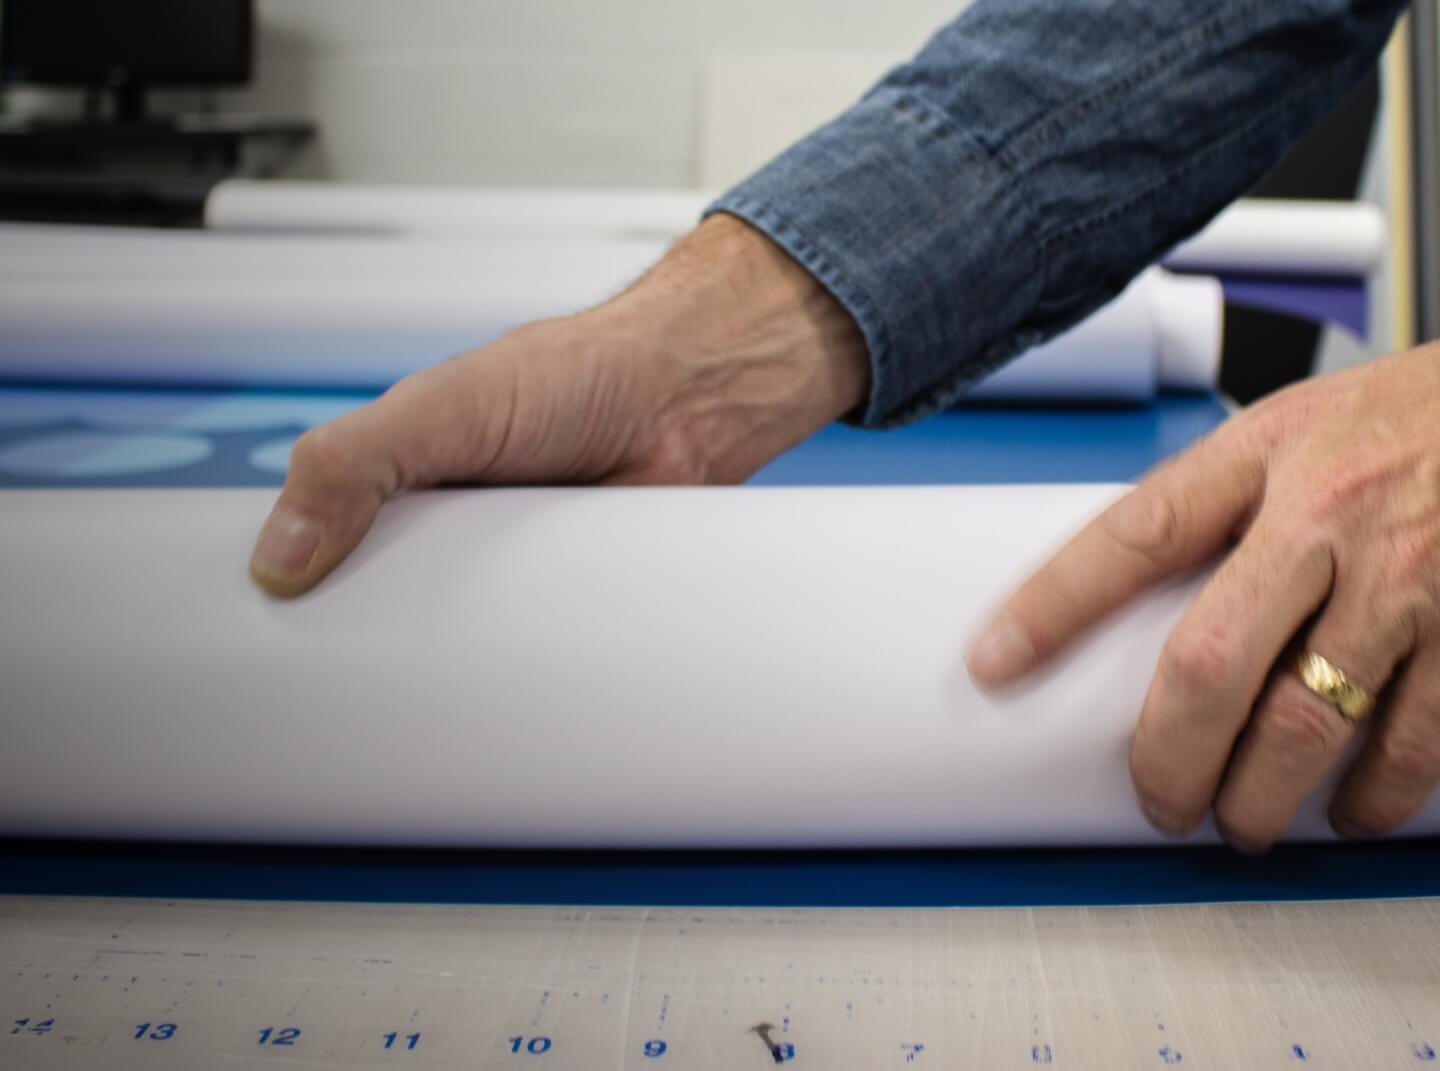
724	355
1325	501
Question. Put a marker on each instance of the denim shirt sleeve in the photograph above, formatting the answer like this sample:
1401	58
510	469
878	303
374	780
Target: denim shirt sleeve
1033	157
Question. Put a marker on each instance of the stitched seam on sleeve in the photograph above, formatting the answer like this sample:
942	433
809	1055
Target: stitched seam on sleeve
945	126
998	350
1051	126
1257	122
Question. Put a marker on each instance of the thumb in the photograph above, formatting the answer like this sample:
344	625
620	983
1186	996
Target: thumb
341	473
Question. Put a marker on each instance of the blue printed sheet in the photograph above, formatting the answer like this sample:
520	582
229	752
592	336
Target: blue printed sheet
88	437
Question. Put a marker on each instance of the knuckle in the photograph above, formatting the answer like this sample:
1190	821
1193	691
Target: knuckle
678	460
1298	729
677	452
1145	522
323	456
1344	492
1408	758
1269	416
1199	660
1309	548
1278	417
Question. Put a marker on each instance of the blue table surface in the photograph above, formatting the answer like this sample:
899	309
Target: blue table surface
85	438
54	437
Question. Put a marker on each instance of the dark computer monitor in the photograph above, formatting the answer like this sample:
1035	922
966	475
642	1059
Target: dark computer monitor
127	45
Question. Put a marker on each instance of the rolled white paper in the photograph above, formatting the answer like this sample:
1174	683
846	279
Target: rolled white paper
541	668
1252	236
110	305
1163	332
157	308
35	252
1279	237
321	207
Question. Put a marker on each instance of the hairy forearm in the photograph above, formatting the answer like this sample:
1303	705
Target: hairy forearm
759	354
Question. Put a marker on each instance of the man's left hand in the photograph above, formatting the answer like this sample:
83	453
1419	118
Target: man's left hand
1324	501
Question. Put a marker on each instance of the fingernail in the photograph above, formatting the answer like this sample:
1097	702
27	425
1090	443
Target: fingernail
1001	653
1166	821
286	544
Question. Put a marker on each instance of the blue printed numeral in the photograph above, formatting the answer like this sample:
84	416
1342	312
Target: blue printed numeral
161	1031
534	1046
287	1036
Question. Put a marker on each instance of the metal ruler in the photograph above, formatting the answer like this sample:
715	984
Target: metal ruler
120	984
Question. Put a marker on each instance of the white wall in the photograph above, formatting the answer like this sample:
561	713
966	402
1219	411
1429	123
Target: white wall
533	92
551	92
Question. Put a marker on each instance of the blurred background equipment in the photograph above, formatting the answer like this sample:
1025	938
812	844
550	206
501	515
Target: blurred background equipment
114	159
123	48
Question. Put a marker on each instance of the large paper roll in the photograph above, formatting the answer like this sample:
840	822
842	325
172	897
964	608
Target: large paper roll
144	307
1163	332
1288	238
117	306
1253	236
611	667
57	254
333	207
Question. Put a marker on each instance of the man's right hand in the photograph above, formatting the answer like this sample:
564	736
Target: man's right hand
724	355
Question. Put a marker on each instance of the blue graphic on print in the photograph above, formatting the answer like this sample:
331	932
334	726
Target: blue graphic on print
51	437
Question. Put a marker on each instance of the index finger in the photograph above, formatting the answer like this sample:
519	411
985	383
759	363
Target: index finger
1173	520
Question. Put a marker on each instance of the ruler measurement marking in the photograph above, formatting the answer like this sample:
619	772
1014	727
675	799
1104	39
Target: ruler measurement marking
1331	985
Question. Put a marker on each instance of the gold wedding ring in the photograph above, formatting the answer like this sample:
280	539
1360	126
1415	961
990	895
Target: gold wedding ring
1331	685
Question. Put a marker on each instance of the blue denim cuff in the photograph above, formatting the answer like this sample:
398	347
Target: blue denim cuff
860	205
1036	155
